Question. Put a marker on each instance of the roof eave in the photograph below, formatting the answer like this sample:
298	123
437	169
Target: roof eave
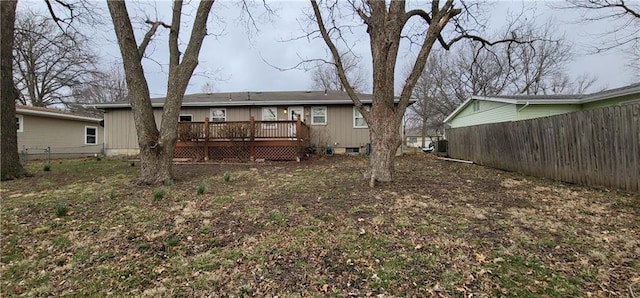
239	103
56	115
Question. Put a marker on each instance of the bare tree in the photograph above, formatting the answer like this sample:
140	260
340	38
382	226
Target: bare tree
157	144
385	24
621	17
208	87
622	20
11	167
325	76
49	63
104	87
452	77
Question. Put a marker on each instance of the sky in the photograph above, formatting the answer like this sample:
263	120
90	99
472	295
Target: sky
238	58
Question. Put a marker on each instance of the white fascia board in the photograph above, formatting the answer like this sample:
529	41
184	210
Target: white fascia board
607	95
56	115
530	101
458	110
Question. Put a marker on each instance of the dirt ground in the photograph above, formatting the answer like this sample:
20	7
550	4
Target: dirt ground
314	228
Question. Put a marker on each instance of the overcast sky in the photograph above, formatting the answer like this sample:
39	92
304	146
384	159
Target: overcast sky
238	60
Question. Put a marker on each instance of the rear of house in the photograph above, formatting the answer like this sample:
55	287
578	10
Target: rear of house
335	124
51	133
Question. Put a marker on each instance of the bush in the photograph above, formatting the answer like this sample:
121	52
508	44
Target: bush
61	210
47	168
226	177
201	189
158	194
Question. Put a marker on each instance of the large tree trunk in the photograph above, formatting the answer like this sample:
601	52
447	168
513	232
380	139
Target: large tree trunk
157	145
385	22
385	141
10	167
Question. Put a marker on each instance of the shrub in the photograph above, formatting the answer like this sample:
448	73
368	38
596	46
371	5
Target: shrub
61	210
201	189
158	194
112	195
47	168
226	177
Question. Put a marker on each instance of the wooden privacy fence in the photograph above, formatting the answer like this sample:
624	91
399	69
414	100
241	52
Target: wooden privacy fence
243	140
593	147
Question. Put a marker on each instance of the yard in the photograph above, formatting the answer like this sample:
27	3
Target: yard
314	229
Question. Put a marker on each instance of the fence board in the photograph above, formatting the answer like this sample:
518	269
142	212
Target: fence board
595	147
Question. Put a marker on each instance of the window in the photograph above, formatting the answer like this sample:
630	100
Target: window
352	150
19	123
185	118
269	114
358	119
90	135
218	115
318	115
476	106
413	139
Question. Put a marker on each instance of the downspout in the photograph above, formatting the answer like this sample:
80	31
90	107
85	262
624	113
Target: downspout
525	105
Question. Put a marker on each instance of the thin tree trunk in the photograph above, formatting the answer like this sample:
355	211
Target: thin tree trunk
10	167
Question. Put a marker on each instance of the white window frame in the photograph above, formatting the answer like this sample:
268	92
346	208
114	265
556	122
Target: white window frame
184	115
20	121
269	125
275	116
313	116
211	115
86	135
356	112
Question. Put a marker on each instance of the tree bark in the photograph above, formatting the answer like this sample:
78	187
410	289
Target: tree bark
157	145
385	22
10	167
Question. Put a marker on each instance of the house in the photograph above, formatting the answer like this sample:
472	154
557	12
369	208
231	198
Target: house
330	118
413	137
44	132
492	109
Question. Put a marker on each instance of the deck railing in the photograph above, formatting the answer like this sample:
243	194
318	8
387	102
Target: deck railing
243	130
280	139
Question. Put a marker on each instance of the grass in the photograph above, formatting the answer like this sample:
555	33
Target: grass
313	229
61	210
158	194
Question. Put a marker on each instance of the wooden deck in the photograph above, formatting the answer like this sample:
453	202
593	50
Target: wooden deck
243	140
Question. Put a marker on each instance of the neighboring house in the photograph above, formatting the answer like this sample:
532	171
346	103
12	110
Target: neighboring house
413	137
63	134
492	109
331	116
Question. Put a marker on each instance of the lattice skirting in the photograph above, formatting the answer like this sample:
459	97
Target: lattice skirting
241	153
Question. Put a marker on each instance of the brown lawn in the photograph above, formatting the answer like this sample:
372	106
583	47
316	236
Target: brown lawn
314	229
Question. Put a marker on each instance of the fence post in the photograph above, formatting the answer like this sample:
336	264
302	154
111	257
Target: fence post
206	138
252	136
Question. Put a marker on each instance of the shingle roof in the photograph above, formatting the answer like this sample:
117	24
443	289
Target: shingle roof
254	99
46	112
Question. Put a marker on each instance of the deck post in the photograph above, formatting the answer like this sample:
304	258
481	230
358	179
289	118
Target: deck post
206	138
299	138
252	136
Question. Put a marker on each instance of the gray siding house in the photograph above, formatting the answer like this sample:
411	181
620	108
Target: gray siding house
65	135
331	116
